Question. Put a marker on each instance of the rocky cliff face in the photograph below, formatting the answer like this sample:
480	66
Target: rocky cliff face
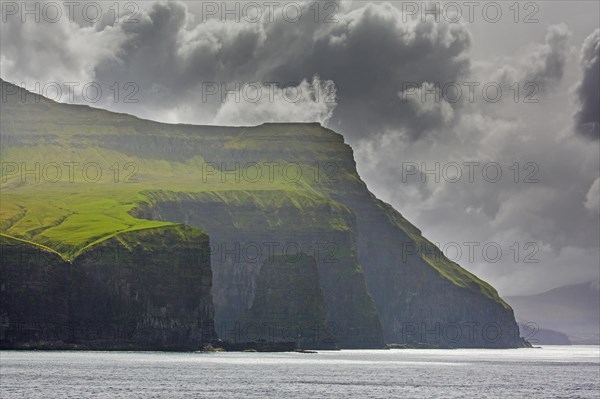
147	289
421	296
247	233
34	294
259	192
288	304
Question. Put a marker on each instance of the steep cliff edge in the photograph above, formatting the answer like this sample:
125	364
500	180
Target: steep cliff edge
422	296
249	229
146	289
257	191
289	304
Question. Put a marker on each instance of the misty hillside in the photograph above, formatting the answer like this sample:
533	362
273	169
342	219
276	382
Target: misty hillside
571	309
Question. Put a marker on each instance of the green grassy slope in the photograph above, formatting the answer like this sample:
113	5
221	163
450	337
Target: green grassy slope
71	212
63	189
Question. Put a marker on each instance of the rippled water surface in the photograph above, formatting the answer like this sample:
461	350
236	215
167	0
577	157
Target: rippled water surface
552	371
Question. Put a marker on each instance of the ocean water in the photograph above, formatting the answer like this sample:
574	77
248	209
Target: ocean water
548	372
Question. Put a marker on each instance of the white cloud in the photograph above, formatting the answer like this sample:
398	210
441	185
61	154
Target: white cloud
592	199
255	103
58	52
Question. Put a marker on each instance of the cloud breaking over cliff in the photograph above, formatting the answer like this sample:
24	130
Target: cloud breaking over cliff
421	100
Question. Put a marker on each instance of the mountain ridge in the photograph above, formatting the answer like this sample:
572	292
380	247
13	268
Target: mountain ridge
384	270
572	309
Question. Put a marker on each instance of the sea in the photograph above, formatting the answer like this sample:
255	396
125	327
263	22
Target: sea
545	372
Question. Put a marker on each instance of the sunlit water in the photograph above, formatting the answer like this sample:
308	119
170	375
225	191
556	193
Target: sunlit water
553	371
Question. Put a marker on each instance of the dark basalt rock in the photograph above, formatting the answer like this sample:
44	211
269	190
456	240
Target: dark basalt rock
380	279
350	313
139	290
288	303
259	346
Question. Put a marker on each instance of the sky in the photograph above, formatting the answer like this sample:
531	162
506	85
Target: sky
478	121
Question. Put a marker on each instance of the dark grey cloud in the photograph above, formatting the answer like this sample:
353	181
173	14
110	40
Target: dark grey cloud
557	212
370	55
587	117
173	60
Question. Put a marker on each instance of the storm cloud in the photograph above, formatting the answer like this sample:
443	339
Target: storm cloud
587	118
379	78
